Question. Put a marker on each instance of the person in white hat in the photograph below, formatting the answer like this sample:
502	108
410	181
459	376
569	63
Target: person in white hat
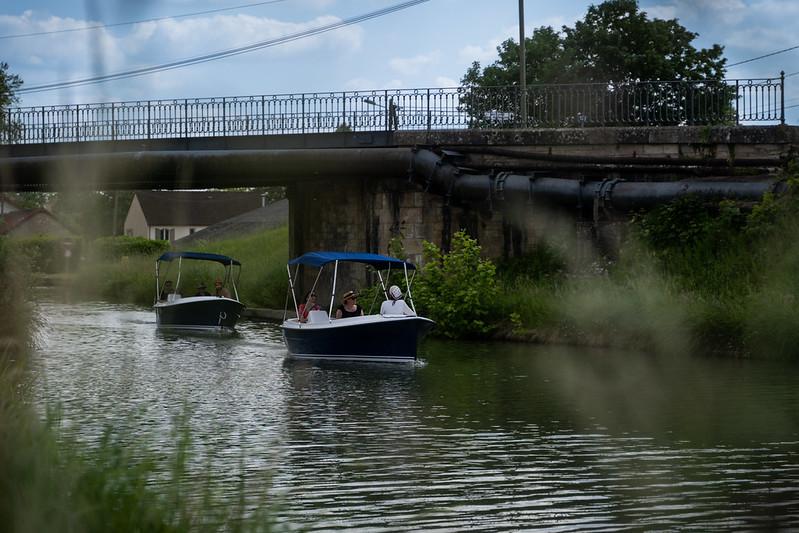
395	305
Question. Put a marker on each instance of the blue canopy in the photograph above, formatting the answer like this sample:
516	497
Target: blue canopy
225	260
380	262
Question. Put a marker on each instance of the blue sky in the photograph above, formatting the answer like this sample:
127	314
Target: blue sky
428	45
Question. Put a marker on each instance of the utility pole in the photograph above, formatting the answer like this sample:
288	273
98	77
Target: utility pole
522	67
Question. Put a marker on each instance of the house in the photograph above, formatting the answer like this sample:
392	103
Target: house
171	215
32	223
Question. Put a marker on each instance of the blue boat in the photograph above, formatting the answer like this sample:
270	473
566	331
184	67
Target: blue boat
211	312
387	336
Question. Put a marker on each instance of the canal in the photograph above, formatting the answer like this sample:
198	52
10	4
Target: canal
486	436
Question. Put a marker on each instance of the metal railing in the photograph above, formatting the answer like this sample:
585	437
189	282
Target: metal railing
644	103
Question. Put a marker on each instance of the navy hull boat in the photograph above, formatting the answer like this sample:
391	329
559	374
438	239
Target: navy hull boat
388	336
202	312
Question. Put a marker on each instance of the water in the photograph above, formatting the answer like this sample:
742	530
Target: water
476	436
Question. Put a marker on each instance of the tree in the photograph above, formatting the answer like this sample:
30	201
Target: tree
613	53
9	84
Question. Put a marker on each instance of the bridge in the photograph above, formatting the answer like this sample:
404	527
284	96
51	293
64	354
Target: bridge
364	163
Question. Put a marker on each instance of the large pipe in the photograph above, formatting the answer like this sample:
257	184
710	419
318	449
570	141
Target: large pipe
435	174
198	169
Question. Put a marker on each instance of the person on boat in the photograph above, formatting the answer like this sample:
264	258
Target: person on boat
395	305
309	304
220	291
201	290
166	290
349	306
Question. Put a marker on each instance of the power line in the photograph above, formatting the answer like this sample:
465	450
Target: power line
100	26
763	56
222	53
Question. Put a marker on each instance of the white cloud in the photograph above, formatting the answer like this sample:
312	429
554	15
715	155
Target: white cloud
74	55
662	12
413	65
721	12
780	8
443	81
483	54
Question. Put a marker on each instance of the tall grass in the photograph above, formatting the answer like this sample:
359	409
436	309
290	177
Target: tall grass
132	278
692	275
263	256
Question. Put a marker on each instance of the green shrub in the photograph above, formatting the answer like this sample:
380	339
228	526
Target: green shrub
457	289
123	245
46	254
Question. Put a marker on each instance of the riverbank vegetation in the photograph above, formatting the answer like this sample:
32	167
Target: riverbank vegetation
122	269
689	275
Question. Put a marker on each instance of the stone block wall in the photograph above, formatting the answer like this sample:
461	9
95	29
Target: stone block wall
365	215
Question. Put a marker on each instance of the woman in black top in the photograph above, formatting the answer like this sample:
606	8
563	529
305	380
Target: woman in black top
350	306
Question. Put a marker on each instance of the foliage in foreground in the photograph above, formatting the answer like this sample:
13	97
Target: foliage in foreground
51	482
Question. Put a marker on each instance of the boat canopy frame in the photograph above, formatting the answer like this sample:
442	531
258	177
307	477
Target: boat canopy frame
321	259
168	257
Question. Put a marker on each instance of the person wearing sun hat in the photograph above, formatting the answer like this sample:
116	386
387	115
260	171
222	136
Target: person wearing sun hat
349	306
395	305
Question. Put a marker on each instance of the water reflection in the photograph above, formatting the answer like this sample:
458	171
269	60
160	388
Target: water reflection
485	436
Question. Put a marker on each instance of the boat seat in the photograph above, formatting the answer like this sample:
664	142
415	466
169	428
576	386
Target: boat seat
317	317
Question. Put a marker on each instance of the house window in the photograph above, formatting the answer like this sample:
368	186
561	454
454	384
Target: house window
165	234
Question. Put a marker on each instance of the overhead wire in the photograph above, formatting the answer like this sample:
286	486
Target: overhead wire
222	53
131	22
763	56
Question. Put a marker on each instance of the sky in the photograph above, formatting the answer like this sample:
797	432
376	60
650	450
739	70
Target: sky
427	45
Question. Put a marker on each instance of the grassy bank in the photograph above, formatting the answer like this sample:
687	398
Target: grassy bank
132	278
50	482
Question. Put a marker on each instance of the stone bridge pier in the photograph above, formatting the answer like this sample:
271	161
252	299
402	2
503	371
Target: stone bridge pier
368	214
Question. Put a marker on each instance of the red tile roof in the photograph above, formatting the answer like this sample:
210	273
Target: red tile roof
11	220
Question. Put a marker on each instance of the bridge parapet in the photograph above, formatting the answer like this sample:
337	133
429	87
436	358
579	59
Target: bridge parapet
640	103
